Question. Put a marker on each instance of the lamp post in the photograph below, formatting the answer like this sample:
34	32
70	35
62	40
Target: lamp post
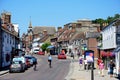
0	46
92	72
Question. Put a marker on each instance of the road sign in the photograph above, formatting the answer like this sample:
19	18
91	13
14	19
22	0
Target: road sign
89	55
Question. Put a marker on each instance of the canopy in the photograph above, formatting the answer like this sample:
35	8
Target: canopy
51	46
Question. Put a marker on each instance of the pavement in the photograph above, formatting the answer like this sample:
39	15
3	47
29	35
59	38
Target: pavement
4	71
77	73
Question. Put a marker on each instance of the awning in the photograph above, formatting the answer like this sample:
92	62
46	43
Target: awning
50	47
116	49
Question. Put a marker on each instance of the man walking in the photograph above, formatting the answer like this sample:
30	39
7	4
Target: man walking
35	65
50	60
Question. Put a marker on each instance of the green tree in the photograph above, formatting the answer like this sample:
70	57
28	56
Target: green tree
110	19
116	16
45	45
99	20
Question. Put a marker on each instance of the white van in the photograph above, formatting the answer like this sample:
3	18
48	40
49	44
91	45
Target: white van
36	50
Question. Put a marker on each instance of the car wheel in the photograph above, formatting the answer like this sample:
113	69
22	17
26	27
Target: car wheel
10	71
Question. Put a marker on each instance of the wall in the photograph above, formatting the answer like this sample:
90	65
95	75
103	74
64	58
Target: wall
92	45
8	41
109	37
0	46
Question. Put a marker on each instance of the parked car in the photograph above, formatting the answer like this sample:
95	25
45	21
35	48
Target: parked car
16	66
21	59
31	59
34	60
28	64
62	56
36	50
41	53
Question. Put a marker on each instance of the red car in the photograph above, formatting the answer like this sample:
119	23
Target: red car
62	56
41	53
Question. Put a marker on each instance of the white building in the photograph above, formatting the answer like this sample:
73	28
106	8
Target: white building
111	40
109	37
16	27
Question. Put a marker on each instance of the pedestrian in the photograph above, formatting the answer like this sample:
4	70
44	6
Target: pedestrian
86	64
72	54
111	67
80	62
78	53
98	62
50	60
101	67
35	65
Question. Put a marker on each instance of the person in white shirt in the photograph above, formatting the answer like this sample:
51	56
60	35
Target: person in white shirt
50	60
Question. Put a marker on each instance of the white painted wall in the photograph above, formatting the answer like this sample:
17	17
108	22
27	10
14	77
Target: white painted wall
109	37
16	27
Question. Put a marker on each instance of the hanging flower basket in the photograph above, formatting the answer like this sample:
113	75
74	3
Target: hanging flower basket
103	54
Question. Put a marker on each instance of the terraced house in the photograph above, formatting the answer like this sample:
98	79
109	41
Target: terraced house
9	35
75	35
36	36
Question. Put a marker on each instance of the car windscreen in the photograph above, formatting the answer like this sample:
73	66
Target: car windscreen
28	57
36	50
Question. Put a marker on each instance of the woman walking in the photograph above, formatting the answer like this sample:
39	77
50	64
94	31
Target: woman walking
111	67
80	62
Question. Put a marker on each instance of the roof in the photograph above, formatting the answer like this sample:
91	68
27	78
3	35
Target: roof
38	29
44	38
116	49
112	23
79	35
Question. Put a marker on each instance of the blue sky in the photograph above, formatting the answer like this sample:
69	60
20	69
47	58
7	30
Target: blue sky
57	12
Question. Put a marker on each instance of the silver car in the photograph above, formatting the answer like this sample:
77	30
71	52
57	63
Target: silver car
16	66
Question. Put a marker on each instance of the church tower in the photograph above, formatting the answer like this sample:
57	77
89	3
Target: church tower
30	35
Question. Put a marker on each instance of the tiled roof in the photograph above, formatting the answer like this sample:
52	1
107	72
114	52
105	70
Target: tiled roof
66	35
79	36
38	29
43	39
12	32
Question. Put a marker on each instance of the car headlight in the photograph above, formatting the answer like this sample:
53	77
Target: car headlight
12	66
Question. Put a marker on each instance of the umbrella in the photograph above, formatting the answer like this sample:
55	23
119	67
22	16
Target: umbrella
49	47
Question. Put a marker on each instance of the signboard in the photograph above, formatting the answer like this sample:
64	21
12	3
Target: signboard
118	39
92	34
89	55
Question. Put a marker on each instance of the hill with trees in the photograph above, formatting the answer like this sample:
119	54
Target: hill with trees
109	19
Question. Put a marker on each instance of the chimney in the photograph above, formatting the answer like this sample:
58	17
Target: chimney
45	32
6	16
59	28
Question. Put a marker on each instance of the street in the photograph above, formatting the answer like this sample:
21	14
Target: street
59	70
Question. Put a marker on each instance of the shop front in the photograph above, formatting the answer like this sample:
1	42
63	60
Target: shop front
117	59
106	56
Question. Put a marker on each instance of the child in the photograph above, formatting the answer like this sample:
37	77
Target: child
101	67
